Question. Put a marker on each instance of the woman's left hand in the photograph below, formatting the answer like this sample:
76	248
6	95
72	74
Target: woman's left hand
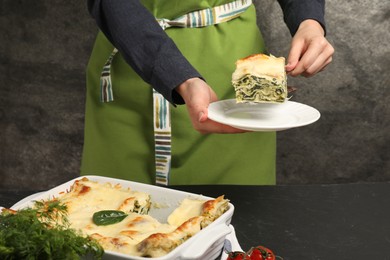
198	95
310	51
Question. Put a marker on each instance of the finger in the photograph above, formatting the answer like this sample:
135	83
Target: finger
313	51
318	65
321	62
297	47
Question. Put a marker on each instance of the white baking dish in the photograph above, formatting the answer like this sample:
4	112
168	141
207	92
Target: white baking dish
207	244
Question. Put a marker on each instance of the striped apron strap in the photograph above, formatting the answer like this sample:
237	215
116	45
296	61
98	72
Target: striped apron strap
161	107
208	16
162	138
106	94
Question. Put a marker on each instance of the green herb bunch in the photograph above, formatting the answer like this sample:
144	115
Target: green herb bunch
43	232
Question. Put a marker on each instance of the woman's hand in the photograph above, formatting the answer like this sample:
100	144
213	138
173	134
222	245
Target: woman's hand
197	95
310	51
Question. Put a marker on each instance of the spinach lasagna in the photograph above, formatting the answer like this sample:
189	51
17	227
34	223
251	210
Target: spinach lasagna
118	218
260	78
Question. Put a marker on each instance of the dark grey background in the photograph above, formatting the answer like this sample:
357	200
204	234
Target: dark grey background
45	45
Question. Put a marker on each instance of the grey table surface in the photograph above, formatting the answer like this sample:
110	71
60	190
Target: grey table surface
338	221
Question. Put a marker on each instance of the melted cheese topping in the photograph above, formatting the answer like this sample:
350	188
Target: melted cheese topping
188	208
137	234
260	65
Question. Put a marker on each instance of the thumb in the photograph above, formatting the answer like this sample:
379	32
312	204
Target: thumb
198	106
294	55
203	104
201	109
202	116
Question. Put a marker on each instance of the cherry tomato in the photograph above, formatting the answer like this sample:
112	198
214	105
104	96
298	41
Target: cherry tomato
237	255
255	253
260	253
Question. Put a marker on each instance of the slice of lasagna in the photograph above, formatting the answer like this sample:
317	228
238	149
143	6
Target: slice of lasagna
260	78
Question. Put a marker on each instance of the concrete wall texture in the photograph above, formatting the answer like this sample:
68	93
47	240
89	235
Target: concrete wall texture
45	45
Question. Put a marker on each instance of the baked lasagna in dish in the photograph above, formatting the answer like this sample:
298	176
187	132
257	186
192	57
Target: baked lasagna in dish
260	78
118	218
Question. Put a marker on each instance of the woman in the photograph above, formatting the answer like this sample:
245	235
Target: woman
134	135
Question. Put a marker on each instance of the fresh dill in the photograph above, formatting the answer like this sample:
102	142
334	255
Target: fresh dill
43	232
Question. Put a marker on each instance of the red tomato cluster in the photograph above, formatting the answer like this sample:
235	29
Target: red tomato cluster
255	253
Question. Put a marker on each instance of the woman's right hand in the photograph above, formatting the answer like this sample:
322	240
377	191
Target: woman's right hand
197	95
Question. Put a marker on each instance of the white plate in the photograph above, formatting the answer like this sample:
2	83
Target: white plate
262	116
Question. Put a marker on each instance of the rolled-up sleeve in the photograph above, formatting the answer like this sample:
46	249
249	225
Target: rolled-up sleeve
296	11
133	30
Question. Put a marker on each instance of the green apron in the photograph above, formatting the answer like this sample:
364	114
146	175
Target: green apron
119	135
